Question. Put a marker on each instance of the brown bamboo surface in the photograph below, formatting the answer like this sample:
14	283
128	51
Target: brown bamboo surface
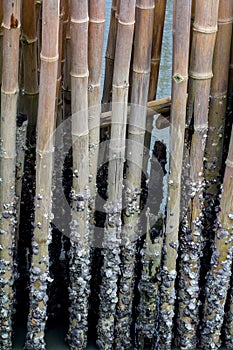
218	278
215	139
9	94
178	113
200	73
218	100
79	236
110	52
161	107
159	17
1	39
39	273
134	155
95	50
112	234
29	90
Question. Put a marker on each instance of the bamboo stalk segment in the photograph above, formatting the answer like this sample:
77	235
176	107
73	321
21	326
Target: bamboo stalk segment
218	279
112	233
182	20
79	238
110	52
228	326
39	273
95	49
9	94
28	98
134	155
217	116
200	73
1	39
159	17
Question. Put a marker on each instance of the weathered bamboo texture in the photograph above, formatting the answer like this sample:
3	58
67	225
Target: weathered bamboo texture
39	272
191	241
110	53
9	94
95	50
218	279
217	115
28	98
67	61
159	17
134	155
112	231
1	39
79	237
181	23
161	106
228	326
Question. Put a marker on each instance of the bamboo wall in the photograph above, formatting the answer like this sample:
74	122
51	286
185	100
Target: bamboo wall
84	241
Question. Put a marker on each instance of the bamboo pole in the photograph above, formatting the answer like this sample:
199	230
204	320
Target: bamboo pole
39	273
112	233
110	52
95	49
228	326
79	239
9	94
151	252
1	39
217	116
134	155
159	17
218	279
191	241
182	19
28	98
161	106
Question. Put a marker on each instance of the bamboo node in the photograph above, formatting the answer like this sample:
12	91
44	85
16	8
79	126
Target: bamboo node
205	30
83	75
81	134
201	76
136	133
97	21
12	92
229	163
49	59
201	127
124	86
79	21
126	23
91	87
178	78
27	41
141	71
155	60
225	20
145	7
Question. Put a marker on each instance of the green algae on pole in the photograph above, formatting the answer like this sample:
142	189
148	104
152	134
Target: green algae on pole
182	19
79	289
39	272
9	94
134	155
112	231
